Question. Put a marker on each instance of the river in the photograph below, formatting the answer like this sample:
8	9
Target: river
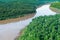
11	30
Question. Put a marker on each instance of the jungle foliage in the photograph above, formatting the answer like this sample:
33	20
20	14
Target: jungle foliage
55	5
17	8
42	28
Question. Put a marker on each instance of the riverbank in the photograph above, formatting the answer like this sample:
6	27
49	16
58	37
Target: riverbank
35	30
55	9
14	9
41	11
17	19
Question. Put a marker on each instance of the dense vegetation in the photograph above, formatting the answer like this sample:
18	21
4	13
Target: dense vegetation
42	28
17	8
55	5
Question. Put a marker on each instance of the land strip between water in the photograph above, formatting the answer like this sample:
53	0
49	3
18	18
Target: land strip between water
55	9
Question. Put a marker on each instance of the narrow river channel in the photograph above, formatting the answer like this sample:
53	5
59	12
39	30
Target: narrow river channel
11	30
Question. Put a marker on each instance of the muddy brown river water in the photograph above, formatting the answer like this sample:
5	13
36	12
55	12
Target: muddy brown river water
11	30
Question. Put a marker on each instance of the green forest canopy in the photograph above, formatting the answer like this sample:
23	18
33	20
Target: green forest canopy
17	8
55	5
42	28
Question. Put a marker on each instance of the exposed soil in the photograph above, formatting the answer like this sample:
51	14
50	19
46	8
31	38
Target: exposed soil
17	19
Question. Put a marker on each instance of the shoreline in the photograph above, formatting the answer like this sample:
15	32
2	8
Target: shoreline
23	29
17	19
55	9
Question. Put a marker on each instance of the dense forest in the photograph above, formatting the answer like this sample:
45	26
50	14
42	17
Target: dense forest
17	8
42	28
55	5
